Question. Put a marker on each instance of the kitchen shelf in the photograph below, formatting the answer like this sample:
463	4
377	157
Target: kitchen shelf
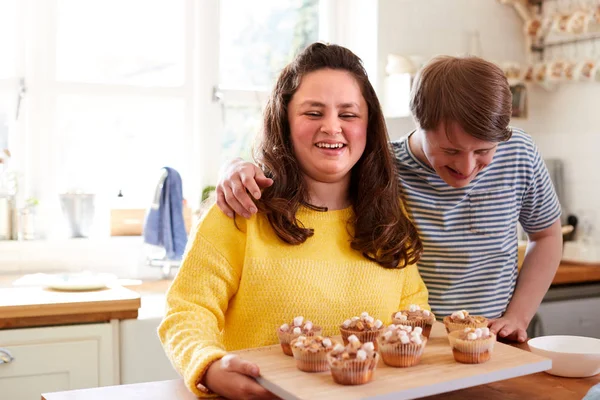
540	47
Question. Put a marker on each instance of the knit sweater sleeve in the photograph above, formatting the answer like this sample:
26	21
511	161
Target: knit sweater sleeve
414	290
199	296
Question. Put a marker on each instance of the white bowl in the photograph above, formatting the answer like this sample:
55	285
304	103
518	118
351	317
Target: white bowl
572	356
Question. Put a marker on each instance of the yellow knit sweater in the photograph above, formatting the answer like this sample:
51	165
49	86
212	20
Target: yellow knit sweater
237	286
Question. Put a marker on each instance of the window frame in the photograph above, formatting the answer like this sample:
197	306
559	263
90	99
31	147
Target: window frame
37	137
33	140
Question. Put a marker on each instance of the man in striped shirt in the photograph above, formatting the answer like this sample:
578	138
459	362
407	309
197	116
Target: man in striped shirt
468	179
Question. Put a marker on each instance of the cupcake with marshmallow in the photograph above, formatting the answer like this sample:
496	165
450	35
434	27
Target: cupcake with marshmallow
365	328
472	345
299	327
402	345
414	316
460	320
353	364
310	352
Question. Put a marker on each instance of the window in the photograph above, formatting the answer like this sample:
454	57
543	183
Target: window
5	116
120	95
144	45
118	143
117	89
113	103
258	39
8	32
8	80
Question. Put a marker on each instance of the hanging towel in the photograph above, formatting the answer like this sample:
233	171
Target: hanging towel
594	393
164	225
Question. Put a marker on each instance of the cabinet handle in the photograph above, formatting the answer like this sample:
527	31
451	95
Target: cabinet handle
5	356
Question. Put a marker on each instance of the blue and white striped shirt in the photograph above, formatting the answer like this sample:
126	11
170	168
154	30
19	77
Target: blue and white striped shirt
470	234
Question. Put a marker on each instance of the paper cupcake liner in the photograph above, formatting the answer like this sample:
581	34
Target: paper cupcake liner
353	372
471	358
427	330
458	326
310	362
285	338
287	349
401	355
471	351
363	336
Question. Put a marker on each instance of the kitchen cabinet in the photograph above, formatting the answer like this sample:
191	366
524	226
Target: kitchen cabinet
142	356
58	358
574	317
569	310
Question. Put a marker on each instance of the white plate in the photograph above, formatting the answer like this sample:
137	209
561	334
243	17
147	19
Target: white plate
572	356
79	281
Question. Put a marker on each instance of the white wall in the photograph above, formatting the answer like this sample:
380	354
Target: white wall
565	124
433	27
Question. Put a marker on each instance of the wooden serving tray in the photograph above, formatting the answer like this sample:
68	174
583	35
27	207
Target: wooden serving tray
436	373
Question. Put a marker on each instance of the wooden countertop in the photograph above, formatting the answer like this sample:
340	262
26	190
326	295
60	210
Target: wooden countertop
26	307
123	303
540	385
575	273
567	273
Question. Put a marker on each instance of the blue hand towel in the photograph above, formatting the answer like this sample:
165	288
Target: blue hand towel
164	225
594	393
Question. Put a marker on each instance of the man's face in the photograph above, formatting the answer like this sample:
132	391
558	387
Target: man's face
456	156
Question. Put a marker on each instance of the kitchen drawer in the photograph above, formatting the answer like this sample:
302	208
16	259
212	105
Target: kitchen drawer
49	367
56	359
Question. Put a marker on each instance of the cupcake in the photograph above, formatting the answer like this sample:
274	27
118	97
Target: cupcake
310	352
365	328
414	317
353	364
401	345
472	345
298	327
460	320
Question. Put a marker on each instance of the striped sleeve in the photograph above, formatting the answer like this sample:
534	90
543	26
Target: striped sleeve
540	207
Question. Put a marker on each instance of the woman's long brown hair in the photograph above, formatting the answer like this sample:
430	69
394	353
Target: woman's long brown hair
380	229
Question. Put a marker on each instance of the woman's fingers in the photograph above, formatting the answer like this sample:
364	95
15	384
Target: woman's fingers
233	363
235	380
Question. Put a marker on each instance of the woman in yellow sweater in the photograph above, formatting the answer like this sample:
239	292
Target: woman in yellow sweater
329	240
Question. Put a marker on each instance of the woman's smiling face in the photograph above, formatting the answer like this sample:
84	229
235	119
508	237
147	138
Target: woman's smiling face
328	118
